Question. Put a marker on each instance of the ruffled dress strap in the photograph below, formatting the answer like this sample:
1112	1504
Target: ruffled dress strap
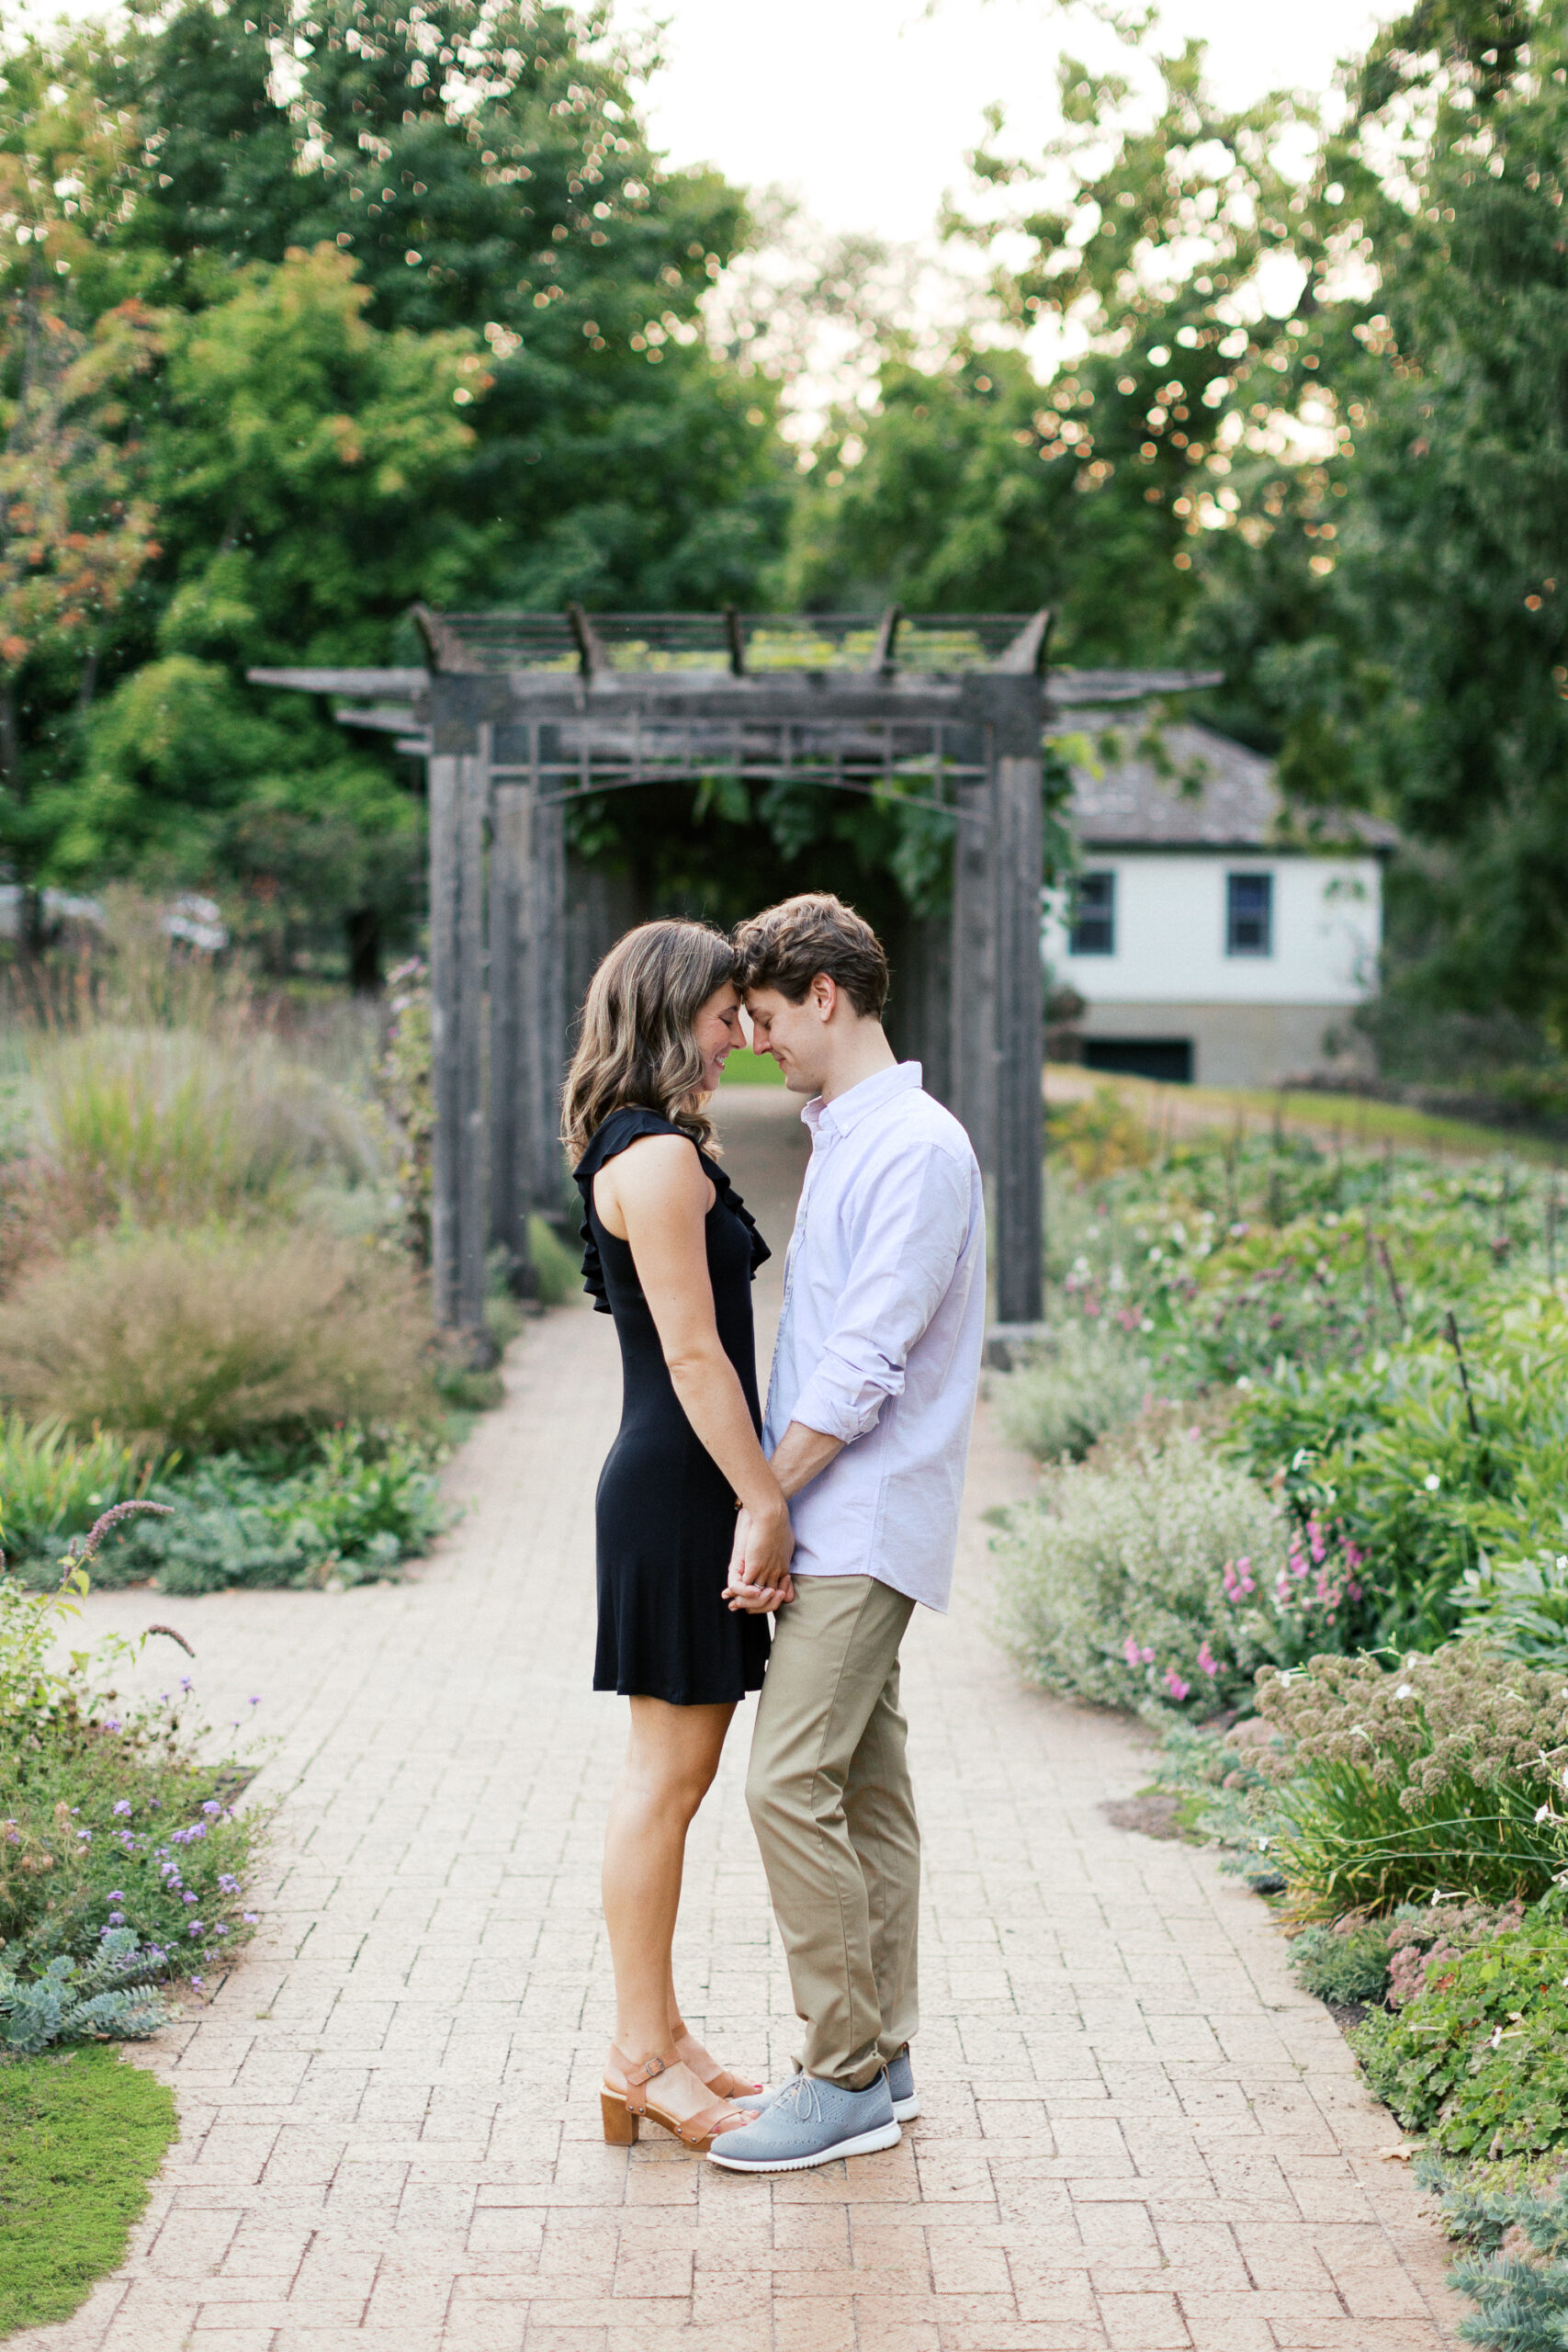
726	1192
624	1126
629	1125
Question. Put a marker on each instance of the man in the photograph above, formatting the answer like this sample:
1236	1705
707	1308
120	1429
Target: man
867	1425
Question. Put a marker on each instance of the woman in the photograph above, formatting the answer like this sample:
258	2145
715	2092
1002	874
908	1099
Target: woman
670	1254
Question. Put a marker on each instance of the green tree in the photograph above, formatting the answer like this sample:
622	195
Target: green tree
1446	689
1100	490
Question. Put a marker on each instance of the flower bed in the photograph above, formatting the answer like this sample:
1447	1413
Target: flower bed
1320	1501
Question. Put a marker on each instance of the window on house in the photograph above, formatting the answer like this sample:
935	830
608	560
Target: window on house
1093	920
1249	914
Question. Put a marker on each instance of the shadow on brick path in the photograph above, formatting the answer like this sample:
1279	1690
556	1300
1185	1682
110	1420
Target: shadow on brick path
1136	2132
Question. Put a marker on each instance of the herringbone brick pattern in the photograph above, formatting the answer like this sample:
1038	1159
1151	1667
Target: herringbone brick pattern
1136	2134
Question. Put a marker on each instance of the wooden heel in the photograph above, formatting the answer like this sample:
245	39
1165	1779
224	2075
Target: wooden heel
620	2123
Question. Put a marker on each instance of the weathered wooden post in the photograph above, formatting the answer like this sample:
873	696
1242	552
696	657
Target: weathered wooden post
1017	861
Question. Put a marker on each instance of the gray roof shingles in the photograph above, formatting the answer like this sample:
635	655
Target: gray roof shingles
1177	784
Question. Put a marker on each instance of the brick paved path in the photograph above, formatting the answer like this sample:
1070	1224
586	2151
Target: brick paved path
1136	2135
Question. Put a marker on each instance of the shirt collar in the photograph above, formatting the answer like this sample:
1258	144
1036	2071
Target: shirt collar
844	1114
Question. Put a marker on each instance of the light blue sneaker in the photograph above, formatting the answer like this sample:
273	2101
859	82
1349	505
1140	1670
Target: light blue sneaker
810	2121
900	2084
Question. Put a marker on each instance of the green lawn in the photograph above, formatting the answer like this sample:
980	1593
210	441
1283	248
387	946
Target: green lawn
1358	1120
746	1068
81	2134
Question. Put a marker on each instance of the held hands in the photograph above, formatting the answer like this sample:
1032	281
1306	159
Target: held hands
759	1579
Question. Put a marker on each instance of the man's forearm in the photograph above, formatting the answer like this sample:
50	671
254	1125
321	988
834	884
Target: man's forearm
803	1455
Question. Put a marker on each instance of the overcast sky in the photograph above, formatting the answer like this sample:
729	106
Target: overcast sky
867	107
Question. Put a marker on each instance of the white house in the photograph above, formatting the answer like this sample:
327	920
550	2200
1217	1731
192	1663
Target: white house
1208	941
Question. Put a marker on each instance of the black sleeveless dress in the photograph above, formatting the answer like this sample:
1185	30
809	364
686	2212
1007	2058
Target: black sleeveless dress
666	1511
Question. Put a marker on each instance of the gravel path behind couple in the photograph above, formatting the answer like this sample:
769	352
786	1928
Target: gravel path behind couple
1136	2133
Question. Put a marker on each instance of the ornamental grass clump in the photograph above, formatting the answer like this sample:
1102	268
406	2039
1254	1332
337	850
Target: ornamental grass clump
218	1338
170	1127
1412	1781
1115	1584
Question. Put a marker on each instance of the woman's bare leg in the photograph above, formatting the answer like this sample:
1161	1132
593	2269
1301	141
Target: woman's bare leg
672	1758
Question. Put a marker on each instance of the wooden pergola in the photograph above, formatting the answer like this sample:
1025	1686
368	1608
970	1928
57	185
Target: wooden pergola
519	714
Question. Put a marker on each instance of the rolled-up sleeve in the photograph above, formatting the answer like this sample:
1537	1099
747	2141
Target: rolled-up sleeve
911	1231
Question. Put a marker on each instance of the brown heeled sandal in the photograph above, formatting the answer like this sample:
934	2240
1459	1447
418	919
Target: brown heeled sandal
624	2111
724	2083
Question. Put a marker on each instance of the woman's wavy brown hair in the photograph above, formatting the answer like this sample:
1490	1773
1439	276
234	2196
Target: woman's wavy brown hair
638	1042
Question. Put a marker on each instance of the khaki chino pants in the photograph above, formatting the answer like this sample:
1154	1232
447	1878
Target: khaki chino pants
830	1802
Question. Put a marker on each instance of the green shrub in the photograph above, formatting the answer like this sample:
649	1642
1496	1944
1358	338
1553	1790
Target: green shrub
1089	1380
215	1338
558	1270
1480	2059
1518	1607
350	1515
1429	1464
1407	1784
53	1486
1140	1577
175	1127
80	2141
1347	1961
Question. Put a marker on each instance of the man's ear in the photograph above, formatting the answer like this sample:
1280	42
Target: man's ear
824	996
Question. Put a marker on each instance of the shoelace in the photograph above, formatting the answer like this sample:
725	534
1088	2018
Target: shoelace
802	2101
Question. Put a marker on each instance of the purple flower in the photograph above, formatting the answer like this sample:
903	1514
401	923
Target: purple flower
256	1700
228	1883
211	1808
196	1928
196	1981
117	1894
116	1918
249	1918
85	1836
188	1898
114	1725
185	1682
122	1805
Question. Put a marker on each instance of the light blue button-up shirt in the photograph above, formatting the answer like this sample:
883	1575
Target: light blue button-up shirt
879	1342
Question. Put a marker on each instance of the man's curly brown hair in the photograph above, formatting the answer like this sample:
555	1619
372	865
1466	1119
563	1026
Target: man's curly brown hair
785	947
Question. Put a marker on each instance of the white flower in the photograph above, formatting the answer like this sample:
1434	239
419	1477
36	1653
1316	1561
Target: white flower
1405	1691
1431	1482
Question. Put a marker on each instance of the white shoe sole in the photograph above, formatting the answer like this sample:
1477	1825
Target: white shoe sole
863	2143
905	2110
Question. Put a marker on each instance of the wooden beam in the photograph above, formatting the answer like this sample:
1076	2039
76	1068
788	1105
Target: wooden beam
882	663
735	630
378	718
343	682
591	658
1026	654
445	646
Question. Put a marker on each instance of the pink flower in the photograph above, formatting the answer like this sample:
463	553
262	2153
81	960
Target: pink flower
1129	1650
1316	1537
1207	1660
1243	1575
1148	1657
1174	1684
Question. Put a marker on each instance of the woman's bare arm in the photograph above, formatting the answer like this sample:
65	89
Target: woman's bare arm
655	1196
